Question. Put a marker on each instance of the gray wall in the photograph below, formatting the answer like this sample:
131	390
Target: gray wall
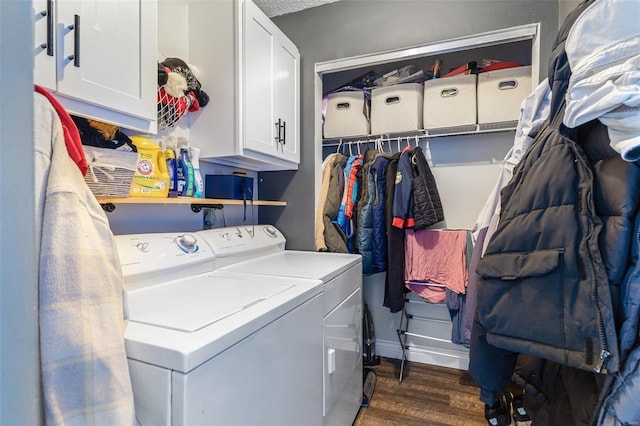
564	7
355	27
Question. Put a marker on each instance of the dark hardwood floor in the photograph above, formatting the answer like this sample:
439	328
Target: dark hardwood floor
428	395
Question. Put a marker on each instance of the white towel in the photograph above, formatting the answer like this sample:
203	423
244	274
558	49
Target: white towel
85	376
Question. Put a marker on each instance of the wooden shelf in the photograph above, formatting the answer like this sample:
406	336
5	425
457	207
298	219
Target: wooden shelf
185	200
197	204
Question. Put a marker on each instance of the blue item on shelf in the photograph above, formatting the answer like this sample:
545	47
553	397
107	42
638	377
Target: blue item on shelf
232	187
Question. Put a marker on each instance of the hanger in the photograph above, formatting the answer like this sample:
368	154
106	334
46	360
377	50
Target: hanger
427	154
339	146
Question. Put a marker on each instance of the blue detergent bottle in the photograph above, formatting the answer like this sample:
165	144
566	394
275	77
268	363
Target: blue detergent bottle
198	184
172	166
184	163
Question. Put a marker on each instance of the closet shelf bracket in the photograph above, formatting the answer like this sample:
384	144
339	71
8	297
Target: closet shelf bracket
197	208
108	207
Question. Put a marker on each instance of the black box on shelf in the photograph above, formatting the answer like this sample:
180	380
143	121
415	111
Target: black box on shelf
232	187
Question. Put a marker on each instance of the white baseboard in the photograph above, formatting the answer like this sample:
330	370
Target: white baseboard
458	359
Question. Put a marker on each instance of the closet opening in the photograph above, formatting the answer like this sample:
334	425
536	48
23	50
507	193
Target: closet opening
465	154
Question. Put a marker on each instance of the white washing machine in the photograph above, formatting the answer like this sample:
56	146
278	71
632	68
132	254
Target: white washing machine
341	276
207	347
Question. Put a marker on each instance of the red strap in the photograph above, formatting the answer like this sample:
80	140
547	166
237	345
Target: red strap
71	135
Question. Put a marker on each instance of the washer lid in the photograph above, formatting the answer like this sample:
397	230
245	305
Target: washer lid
191	304
299	264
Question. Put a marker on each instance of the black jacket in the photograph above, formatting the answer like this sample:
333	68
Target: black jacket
553	273
427	207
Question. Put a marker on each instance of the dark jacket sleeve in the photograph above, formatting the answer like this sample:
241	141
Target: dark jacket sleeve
403	194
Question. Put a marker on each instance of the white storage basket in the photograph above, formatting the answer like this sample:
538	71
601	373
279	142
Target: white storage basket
450	102
501	92
347	115
396	109
110	171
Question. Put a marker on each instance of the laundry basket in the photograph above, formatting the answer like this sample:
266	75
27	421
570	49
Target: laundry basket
110	172
171	109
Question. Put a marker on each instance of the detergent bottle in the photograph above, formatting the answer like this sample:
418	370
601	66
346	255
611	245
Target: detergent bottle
151	178
198	184
170	155
184	163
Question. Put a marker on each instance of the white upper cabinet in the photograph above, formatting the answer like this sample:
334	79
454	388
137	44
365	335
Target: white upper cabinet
98	57
251	72
287	105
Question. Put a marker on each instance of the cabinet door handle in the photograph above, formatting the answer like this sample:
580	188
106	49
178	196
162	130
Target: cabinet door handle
49	13
76	41
278	139
284	132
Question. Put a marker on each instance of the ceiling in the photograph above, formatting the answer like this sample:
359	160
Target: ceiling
281	7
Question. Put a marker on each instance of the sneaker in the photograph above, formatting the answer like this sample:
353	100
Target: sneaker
519	412
500	413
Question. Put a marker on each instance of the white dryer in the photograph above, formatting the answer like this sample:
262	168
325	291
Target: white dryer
341	275
207	347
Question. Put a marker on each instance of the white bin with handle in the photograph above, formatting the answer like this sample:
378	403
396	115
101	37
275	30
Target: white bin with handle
501	92
396	109
450	102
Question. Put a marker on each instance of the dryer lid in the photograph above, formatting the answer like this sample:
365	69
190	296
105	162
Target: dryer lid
191	304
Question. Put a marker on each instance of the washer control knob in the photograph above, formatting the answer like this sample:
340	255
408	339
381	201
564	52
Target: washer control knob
270	231
187	242
226	236
143	247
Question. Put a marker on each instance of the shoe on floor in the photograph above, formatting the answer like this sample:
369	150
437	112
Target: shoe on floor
500	413
519	412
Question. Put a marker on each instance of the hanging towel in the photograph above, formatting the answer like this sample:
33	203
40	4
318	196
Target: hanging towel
437	257
85	377
71	135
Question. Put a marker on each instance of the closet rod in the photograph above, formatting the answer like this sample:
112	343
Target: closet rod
475	129
408	139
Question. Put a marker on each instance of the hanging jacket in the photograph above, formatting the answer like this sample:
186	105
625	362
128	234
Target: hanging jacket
378	172
545	250
605	78
85	376
352	185
490	363
567	225
620	404
427	207
320	244
341	219
335	240
394	288
403	194
345	215
534	112
365	214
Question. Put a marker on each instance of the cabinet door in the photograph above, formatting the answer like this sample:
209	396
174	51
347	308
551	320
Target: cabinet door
44	48
287	99
108	57
258	81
